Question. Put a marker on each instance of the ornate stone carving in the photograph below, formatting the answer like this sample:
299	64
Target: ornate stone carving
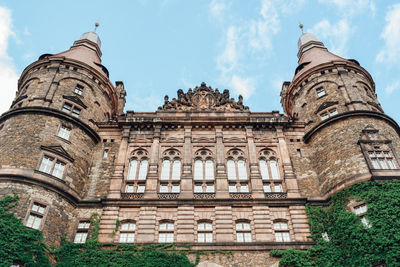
277	195
168	195
240	195
203	98
132	195
204	195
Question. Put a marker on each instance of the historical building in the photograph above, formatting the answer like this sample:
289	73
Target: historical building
202	169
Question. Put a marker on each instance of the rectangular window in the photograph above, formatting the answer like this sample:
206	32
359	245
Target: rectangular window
204	237
67	108
64	132
282	237
278	188
321	92
129	188
267	188
36	216
46	164
82	232
78	89
58	169
324	115
105	153
175	189
232	188
75	112
141	188
209	188
166	238
164	188
244	188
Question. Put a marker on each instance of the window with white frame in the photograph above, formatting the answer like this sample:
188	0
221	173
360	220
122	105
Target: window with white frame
237	172
52	166
203	172
36	215
281	230
64	132
320	92
382	159
243	232
328	113
82	232
127	232
137	172
78	89
204	232
361	211
71	109
166	232
170	172
270	172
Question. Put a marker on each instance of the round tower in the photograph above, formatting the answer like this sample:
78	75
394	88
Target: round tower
335	98
49	133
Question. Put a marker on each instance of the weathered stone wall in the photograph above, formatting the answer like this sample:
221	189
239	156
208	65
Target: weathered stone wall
22	136
337	156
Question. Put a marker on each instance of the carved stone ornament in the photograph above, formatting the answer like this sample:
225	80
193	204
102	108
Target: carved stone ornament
203	98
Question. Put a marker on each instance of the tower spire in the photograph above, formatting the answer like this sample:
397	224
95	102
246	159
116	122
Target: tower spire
96	25
301	28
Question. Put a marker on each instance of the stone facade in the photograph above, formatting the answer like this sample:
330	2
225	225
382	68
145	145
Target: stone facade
202	169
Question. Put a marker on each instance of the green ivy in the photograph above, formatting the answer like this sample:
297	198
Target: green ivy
19	244
351	243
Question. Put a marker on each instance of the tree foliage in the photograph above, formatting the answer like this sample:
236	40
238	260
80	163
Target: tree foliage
351	243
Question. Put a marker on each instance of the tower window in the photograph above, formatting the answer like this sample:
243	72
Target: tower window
82	232
36	215
64	132
127	232
52	166
71	109
320	92
329	113
381	160
78	89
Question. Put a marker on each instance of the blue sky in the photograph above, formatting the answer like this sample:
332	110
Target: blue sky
249	47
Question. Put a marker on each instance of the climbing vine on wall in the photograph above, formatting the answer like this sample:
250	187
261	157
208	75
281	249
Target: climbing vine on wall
25	247
350	242
19	244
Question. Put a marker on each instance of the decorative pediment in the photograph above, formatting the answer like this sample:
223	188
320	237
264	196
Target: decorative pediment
58	150
326	105
203	98
75	99
371	135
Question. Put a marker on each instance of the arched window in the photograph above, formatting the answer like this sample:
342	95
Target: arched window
243	231
203	172
166	232
127	232
281	230
204	232
170	172
270	172
137	172
237	172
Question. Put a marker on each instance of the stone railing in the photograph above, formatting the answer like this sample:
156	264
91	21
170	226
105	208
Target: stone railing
132	195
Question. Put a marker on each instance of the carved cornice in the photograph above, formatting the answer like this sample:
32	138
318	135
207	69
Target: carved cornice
203	98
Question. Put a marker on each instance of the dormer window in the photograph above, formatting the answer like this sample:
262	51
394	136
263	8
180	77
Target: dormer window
321	92
78	89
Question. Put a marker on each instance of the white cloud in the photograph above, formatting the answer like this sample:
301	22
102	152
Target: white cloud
337	35
8	73
391	34
228	59
242	86
217	7
353	7
392	87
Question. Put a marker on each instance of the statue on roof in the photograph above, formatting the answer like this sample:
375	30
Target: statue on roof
204	98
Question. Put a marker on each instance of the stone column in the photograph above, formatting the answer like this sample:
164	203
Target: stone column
152	176
187	177
255	178
146	225
221	181
288	173
118	175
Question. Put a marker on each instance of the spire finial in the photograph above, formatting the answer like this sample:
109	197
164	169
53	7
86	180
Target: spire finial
301	28
95	26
